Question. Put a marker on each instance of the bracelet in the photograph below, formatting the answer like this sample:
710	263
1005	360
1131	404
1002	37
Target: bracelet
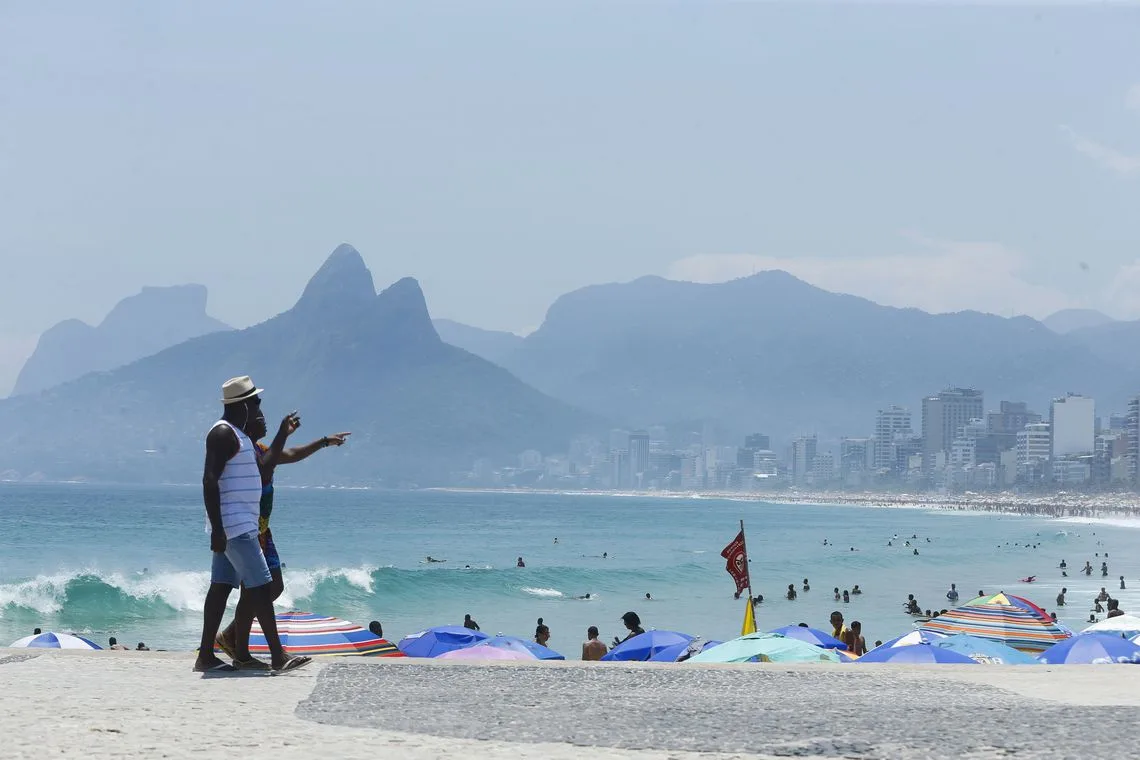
325	442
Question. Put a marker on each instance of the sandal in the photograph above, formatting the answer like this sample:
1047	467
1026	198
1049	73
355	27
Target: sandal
251	664
221	643
293	663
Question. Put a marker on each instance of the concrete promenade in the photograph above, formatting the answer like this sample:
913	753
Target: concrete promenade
149	705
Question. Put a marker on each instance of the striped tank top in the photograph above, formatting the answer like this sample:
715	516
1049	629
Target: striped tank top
240	488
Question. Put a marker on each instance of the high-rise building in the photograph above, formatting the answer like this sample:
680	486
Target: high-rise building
1033	452
1013	417
752	444
638	455
757	442
1132	427
891	424
942	415
803	457
1072	421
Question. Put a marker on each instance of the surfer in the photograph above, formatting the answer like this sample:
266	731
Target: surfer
231	490
430	559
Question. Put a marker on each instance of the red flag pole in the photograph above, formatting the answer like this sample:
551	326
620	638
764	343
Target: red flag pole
747	569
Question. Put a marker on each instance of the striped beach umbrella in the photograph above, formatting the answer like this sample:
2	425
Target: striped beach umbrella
307	634
1010	620
53	640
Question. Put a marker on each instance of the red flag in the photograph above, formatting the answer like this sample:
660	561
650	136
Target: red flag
737	564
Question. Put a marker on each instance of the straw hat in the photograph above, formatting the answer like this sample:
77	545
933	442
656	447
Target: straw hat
239	389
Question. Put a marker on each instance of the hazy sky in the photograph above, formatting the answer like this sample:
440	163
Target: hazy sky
942	156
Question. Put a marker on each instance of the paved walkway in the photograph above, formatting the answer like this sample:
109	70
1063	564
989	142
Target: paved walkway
149	705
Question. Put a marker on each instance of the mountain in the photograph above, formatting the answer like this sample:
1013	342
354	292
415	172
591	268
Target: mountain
772	353
1068	320
138	326
492	345
1117	343
420	410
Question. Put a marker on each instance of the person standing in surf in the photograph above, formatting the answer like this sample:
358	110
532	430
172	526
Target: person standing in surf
231	490
268	457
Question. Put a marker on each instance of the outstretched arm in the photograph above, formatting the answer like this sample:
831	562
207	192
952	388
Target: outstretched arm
297	453
272	457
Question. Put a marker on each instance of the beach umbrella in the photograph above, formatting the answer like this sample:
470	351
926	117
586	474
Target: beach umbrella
917	654
307	634
484	650
984	651
909	639
1001	618
53	640
644	645
1127	626
1017	601
1092	649
435	641
513	642
765	647
675	652
812	636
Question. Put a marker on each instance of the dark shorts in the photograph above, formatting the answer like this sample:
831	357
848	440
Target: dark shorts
269	549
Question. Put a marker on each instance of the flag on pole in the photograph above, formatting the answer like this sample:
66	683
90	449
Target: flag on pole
749	619
737	562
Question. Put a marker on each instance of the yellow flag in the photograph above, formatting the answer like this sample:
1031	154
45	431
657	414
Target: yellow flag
749	620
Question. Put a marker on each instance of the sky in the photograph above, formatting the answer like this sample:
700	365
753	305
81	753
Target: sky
944	156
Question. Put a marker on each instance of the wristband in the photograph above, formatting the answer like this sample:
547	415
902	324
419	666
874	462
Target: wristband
325	442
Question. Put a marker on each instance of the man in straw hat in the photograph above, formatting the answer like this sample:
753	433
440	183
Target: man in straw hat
268	457
231	489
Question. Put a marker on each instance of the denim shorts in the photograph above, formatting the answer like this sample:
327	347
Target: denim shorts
242	564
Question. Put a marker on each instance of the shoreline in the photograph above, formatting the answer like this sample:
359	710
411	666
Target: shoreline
1061	505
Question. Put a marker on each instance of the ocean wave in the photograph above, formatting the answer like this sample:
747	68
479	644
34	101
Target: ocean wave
550	593
1115	522
90	594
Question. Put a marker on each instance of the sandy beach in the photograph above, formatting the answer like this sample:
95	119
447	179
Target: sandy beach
148	705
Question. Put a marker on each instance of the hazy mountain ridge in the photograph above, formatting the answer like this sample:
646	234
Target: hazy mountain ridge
492	345
771	352
349	359
137	326
1069	320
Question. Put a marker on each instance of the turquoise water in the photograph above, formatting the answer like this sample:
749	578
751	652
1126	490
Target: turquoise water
133	562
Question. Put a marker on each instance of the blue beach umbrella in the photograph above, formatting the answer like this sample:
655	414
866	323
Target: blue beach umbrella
910	639
644	645
916	654
436	641
1091	649
514	642
985	651
53	640
765	647
812	636
674	653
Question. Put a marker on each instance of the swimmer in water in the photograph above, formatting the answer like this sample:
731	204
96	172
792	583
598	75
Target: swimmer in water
520	563
856	590
647	596
916	552
808	588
